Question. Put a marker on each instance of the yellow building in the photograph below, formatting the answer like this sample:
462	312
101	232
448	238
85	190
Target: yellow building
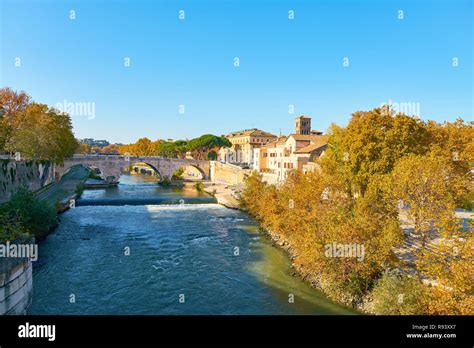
243	144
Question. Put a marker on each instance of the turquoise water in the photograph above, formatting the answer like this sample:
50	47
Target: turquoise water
198	258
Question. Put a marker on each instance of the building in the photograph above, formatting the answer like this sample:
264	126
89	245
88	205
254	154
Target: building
92	142
303	126
296	151
243	145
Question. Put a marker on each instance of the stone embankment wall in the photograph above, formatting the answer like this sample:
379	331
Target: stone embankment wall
31	175
16	285
225	173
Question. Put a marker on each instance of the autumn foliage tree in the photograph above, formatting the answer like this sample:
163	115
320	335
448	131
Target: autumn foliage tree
35	130
380	169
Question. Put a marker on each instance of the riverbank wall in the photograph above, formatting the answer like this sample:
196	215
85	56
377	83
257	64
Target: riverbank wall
31	175
16	285
226	173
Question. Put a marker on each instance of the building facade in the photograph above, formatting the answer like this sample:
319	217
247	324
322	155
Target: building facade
296	151
243	145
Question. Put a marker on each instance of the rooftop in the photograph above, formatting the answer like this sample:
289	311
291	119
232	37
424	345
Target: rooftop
253	132
308	137
310	148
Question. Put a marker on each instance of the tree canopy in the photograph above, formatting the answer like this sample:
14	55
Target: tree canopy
380	173
35	130
202	147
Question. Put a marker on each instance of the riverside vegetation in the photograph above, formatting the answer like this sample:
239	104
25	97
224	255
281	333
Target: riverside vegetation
25	216
38	133
380	165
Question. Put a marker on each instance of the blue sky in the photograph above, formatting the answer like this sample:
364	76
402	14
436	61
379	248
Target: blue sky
190	62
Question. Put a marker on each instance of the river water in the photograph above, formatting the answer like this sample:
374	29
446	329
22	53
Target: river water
183	254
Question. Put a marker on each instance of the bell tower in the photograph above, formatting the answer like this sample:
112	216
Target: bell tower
303	125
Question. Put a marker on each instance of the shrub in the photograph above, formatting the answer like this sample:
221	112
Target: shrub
178	174
199	187
399	295
165	181
26	215
80	189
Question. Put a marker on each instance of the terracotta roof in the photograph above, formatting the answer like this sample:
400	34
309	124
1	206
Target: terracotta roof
308	137
278	141
315	142
248	132
310	148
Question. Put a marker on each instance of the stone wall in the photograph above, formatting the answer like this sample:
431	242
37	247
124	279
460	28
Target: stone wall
26	174
16	285
225	173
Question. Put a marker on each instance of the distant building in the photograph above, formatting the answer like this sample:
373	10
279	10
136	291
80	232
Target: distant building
296	151
92	142
243	144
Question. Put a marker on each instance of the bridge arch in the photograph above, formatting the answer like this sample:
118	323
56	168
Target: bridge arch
152	167
197	170
61	174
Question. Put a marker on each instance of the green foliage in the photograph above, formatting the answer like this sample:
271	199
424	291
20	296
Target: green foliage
94	175
199	187
168	149
24	215
11	227
212	156
399	295
207	141
165	181
202	147
80	189
178	174
467	201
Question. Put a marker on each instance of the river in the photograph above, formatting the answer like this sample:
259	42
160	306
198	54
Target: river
182	254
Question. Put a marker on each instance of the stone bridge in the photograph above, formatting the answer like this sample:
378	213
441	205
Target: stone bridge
114	165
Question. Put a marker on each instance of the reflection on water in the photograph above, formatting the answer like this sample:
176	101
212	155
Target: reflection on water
174	250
